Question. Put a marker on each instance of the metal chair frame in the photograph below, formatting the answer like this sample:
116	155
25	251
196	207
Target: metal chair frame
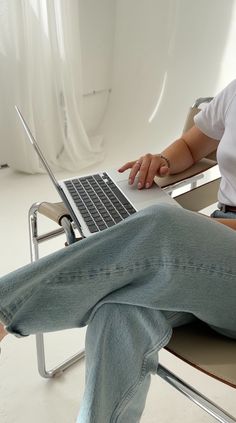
35	241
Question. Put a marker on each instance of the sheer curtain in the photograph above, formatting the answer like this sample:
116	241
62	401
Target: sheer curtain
41	72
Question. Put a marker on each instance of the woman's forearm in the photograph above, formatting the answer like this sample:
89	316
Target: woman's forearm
191	147
179	156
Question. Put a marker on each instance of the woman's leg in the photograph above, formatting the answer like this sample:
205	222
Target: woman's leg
164	258
122	344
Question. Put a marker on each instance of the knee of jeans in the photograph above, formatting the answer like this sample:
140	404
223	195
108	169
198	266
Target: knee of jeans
105	325
161	215
107	314
114	318
159	211
128	317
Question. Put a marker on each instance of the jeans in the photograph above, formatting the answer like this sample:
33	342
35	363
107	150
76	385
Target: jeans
131	284
223	215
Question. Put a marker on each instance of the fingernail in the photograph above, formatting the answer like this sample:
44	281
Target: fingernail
147	185
139	185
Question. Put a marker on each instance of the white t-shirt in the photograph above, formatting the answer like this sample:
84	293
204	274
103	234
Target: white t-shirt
218	121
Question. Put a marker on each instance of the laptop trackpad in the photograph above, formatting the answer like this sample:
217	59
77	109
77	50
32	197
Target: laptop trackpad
145	197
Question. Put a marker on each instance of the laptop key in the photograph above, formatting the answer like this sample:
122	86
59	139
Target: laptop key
99	201
93	228
110	223
102	226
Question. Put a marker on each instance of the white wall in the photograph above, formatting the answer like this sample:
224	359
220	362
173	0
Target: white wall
132	47
97	30
181	42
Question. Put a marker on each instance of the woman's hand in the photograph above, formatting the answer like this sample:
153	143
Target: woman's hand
146	167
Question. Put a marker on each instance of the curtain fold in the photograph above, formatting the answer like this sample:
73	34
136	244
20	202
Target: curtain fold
41	57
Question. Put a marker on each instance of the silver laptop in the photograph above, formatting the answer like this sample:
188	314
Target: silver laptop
99	201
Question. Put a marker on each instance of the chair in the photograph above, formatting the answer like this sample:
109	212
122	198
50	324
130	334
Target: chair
209	352
57	213
195	344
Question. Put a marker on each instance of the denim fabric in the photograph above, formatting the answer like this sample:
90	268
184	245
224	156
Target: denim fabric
223	215
162	267
122	344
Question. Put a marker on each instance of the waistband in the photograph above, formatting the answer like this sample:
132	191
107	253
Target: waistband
225	208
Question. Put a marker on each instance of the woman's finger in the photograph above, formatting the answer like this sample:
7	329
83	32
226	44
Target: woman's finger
144	170
135	169
154	168
126	166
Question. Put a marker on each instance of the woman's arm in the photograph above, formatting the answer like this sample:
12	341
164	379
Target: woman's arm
180	155
189	149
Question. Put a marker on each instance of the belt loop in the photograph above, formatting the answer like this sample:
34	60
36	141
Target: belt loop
222	207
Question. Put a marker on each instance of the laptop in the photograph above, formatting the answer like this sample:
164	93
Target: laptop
101	200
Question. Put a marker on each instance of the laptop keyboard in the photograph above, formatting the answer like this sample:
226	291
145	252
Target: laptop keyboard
99	201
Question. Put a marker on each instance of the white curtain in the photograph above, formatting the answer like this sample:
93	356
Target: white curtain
41	72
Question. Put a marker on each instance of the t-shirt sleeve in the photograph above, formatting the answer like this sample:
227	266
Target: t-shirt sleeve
211	120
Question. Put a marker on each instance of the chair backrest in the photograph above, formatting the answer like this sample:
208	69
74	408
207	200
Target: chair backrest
190	119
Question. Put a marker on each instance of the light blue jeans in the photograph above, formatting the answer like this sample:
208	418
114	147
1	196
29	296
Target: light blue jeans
131	284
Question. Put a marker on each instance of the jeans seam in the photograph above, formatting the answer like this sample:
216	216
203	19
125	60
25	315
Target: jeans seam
5	316
8	314
126	399
144	266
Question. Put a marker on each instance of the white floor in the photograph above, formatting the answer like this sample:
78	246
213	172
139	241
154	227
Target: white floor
27	398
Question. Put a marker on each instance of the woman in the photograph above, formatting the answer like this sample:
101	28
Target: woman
133	283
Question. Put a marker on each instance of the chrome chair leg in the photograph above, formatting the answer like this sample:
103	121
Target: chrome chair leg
210	407
57	370
35	240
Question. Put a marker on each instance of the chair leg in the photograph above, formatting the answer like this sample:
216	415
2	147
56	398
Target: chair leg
56	371
210	407
35	239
